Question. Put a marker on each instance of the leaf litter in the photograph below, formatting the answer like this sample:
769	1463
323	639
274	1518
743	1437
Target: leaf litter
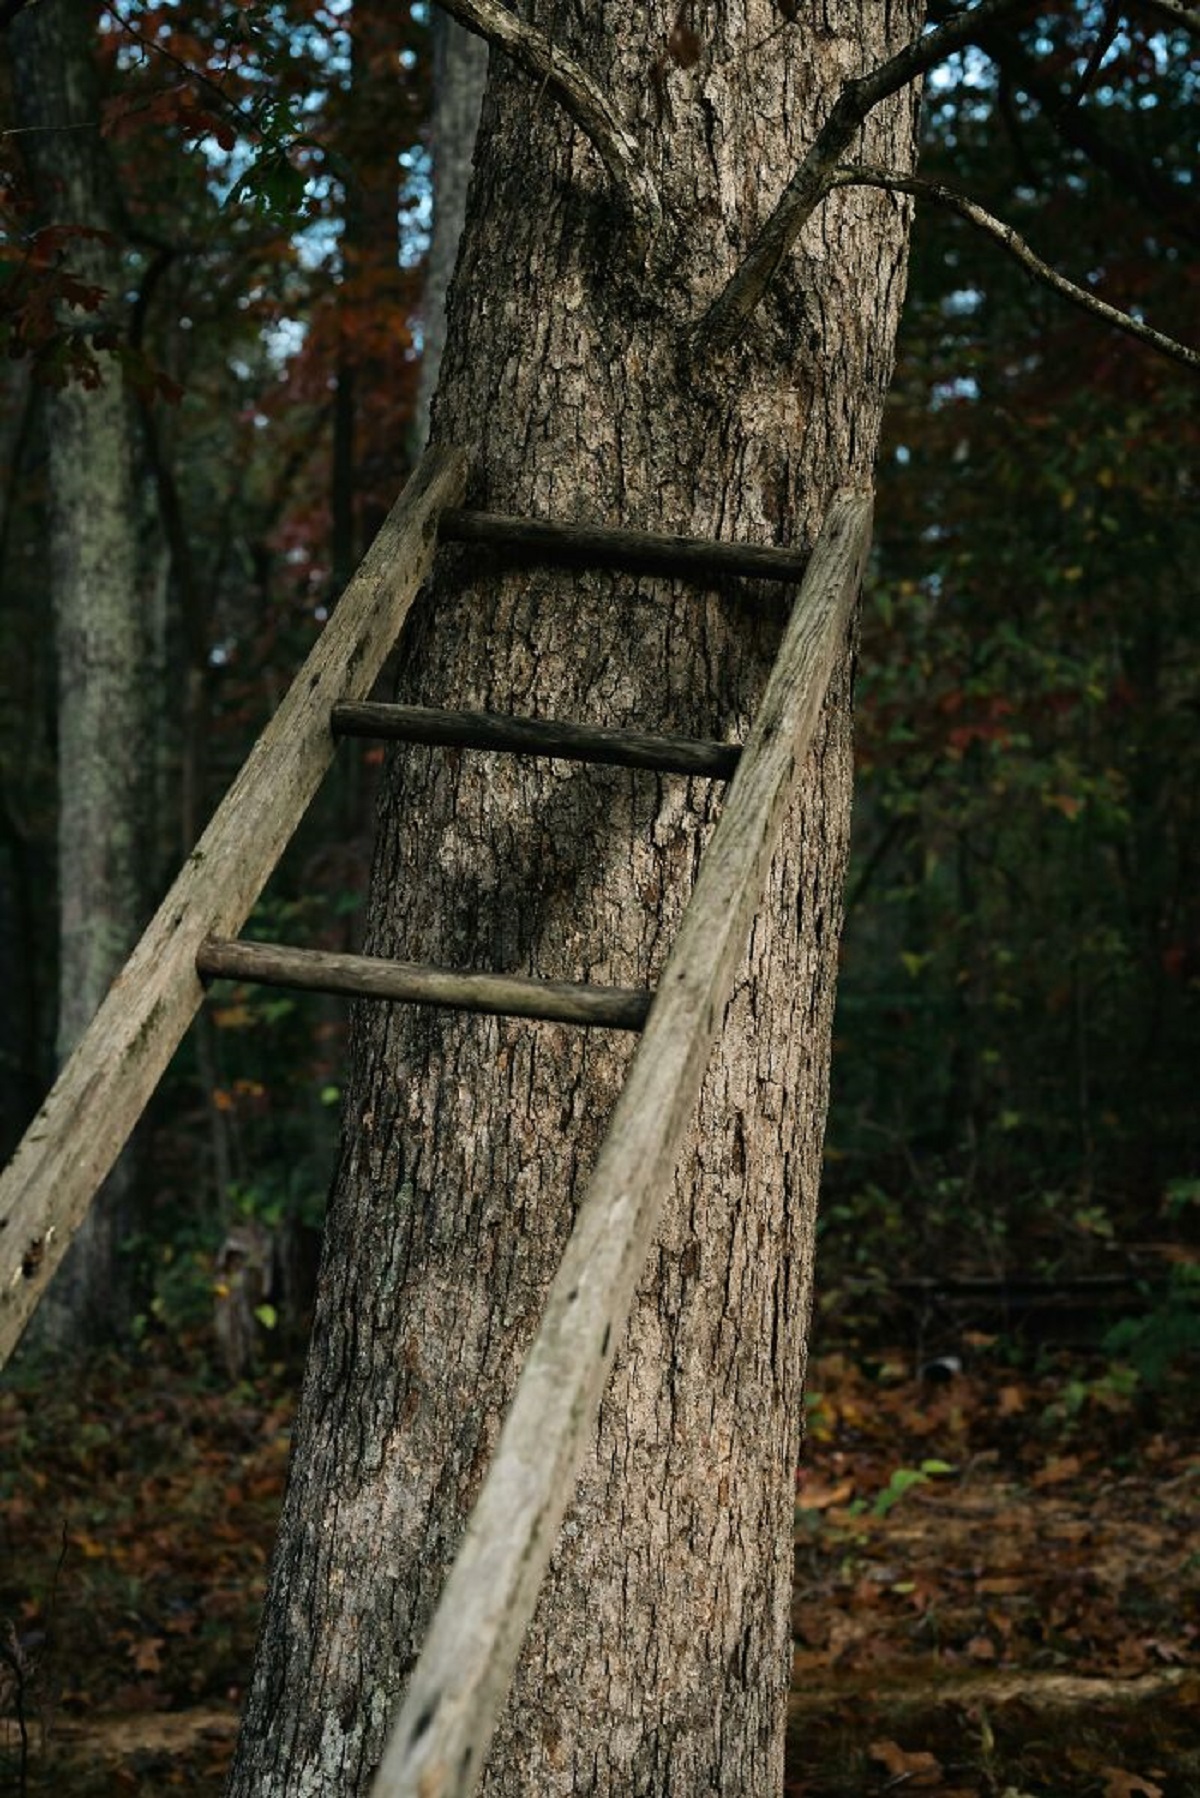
996	1579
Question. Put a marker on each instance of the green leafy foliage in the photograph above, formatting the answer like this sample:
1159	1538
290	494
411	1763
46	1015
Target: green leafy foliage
903	1480
1016	1036
1166	1336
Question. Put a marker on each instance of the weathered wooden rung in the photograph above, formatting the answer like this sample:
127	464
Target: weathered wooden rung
536	736
371	977
693	558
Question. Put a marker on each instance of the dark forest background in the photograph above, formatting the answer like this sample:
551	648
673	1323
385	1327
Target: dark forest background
1015	1065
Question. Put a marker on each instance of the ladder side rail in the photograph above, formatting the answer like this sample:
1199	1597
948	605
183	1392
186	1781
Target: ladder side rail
105	1084
441	1736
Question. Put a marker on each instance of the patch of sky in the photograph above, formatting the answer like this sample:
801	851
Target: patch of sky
966	68
946	393
284	338
962	302
416	205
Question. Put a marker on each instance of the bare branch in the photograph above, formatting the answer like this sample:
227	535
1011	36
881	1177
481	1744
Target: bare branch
1101	45
9	10
1081	128
581	98
1016	246
809	185
1186	17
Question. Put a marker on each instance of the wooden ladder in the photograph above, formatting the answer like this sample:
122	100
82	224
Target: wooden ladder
444	1727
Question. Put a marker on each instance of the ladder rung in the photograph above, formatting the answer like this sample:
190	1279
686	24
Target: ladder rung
536	736
691	557
371	977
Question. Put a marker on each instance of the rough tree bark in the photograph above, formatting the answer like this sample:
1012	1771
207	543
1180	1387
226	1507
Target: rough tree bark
658	1659
95	571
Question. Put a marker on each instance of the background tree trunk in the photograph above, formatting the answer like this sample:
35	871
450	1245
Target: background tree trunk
658	1659
459	73
101	635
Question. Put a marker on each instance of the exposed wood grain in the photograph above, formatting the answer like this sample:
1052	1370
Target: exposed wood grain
536	736
441	1735
592	545
98	1097
372	977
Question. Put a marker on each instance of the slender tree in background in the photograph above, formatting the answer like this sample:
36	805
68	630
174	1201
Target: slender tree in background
459	74
573	377
94	588
376	294
233	303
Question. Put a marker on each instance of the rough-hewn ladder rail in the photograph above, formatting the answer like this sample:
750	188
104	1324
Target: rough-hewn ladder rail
441	1736
536	736
592	546
415	983
100	1094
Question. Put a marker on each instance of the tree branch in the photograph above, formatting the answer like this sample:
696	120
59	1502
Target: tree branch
1186	17
581	98
1016	246
808	186
1080	128
1101	45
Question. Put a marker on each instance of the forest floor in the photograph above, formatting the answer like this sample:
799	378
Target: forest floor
997	1575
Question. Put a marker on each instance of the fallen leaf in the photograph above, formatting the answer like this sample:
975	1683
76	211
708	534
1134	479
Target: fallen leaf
88	1545
147	1655
1120	1784
918	1768
814	1495
1055	1472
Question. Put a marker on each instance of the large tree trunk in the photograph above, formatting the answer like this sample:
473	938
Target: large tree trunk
658	1658
101	635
